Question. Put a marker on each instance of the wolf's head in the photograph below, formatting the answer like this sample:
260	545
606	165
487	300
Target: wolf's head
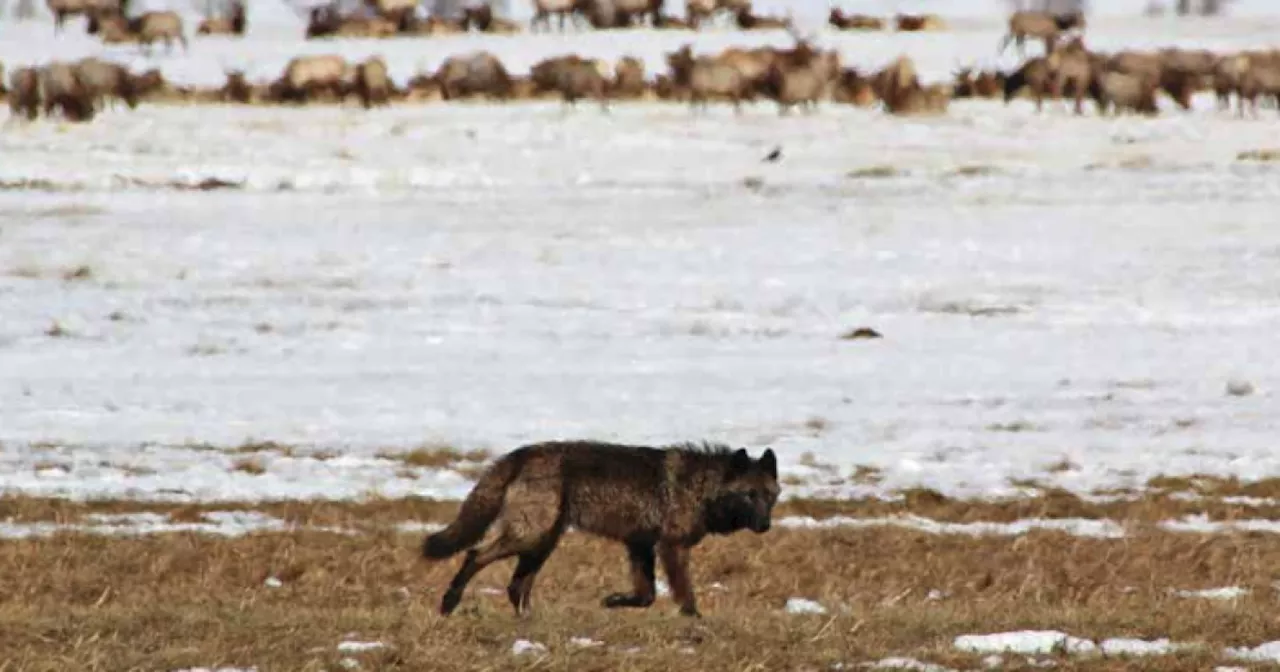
746	496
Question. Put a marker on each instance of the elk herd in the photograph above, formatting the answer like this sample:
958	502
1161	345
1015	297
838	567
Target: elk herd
800	76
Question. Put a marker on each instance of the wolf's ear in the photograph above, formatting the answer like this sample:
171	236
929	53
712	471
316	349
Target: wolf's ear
769	463
740	463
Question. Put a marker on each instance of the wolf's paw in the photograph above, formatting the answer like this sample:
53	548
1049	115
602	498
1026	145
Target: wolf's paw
450	602
617	600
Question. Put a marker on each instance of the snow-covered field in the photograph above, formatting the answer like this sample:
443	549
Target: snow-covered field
1053	292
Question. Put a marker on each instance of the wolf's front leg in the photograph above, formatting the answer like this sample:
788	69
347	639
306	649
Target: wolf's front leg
642	579
675	561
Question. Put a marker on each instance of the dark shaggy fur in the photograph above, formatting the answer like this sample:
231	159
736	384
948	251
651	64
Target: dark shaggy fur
658	502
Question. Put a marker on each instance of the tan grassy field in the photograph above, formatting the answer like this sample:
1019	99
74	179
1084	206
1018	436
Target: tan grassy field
171	601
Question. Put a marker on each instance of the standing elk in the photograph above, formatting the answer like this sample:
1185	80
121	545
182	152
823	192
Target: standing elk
543	9
1041	26
24	93
705	79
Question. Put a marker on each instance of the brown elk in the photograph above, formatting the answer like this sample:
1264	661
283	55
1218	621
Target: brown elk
1260	80
327	22
543	9
1041	26
305	78
476	73
800	76
899	87
574	78
61	9
852	88
24	93
916	23
628	79
840	21
105	81
371	83
1121	91
235	24
61	88
481	18
1037	75
145	29
707	79
747	20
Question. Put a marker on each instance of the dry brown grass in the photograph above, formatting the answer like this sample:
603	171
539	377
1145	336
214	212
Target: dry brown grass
96	603
437	457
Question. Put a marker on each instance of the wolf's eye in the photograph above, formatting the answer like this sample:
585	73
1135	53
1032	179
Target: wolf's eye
753	494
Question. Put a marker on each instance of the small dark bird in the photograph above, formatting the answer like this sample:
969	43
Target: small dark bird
774	155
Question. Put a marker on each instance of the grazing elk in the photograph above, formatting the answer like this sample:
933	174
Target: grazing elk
305	78
476	73
573	77
235	24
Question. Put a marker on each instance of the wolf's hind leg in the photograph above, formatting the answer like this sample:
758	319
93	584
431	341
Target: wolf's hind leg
642	579
521	585
503	547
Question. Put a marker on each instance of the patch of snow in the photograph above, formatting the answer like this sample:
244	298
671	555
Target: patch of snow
359	647
661	588
1025	642
584	642
1120	646
1262	653
905	664
1083	527
1200	523
222	523
1226	593
273	582
523	646
800	605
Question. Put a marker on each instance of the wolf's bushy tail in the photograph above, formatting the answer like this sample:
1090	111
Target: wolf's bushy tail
478	511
